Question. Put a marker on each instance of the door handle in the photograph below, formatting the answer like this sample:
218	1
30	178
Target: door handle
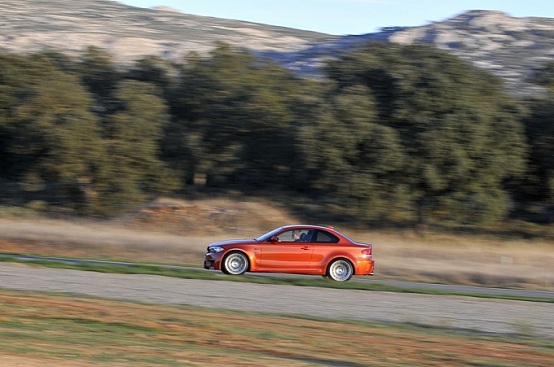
305	248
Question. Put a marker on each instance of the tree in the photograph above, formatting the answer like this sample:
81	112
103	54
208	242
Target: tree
544	76
154	70
456	125
233	110
538	185
133	135
99	74
55	142
351	157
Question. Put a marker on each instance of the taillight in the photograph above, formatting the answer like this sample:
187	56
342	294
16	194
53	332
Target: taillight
367	251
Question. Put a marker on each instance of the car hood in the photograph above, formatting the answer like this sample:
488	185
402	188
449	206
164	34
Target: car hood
233	242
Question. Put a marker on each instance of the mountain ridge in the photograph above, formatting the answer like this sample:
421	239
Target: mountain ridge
130	32
507	46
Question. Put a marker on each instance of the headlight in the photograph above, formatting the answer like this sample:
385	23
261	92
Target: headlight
215	249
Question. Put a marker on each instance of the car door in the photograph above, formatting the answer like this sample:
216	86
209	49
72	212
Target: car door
286	254
324	245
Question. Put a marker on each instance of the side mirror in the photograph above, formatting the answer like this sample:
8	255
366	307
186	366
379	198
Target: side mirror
274	239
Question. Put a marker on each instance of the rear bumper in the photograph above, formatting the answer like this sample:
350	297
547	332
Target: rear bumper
365	267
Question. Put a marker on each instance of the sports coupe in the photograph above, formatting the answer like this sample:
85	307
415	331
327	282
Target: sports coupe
297	249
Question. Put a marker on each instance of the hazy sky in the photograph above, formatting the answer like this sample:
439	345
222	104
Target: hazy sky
347	16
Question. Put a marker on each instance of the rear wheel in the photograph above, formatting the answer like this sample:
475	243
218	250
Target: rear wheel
340	270
236	263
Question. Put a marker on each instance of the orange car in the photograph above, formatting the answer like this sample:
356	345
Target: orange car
298	249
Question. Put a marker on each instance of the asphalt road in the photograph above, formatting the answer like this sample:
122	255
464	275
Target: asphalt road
451	288
485	315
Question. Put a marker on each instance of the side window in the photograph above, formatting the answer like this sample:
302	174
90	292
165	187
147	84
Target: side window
326	237
296	235
286	236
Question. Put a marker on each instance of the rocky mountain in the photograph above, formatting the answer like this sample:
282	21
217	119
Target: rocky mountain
507	46
129	32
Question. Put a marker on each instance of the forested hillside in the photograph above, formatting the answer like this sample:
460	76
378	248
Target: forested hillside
393	134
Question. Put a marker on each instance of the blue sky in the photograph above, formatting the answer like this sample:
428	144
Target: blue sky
341	17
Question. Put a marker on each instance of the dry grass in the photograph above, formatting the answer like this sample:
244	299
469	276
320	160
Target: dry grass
48	330
465	259
178	231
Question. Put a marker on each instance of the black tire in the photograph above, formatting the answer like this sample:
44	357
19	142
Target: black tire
340	270
235	263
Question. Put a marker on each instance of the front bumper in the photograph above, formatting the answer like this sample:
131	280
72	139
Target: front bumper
212	261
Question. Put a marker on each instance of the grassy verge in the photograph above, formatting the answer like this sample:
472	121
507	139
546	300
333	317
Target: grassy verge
64	331
187	273
433	257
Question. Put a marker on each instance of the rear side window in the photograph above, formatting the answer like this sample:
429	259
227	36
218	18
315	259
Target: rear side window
326	237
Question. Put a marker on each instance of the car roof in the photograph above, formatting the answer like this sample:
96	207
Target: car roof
309	226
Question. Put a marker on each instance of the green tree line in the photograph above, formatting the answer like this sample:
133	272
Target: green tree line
389	134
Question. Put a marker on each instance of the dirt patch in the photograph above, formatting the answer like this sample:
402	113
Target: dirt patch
126	334
207	217
167	230
20	361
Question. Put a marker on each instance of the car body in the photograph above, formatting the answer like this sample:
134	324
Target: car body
297	249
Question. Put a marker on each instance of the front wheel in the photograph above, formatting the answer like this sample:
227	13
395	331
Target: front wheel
340	270
236	263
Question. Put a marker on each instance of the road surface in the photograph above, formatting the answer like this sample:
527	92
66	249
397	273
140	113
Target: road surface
449	288
485	315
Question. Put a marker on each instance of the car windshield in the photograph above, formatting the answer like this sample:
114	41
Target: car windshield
268	235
